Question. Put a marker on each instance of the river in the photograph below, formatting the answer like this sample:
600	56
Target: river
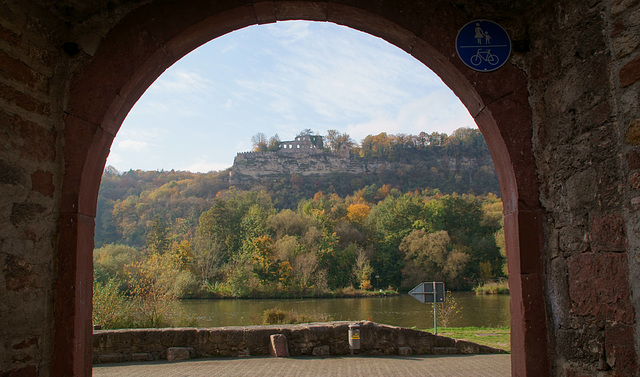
403	310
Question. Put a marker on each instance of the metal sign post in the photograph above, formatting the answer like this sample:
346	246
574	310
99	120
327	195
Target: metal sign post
431	292
435	315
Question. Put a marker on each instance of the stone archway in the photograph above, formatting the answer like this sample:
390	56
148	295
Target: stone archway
154	36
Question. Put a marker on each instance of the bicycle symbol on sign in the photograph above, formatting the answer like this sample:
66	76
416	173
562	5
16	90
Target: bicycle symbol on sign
485	55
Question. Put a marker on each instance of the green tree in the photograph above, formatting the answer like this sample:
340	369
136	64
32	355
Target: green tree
110	260
431	256
157	236
111	308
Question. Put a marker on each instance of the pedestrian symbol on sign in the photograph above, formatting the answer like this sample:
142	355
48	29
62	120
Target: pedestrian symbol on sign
483	45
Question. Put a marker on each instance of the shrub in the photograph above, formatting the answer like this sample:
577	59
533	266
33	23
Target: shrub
276	316
499	287
111	308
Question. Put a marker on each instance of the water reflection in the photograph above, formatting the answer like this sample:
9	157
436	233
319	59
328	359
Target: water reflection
489	310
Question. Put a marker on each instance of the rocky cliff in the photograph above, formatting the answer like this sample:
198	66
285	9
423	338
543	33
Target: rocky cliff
251	167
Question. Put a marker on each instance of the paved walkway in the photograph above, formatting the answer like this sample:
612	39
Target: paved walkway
423	365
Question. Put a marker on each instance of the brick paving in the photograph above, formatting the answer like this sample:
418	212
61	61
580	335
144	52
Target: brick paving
422	365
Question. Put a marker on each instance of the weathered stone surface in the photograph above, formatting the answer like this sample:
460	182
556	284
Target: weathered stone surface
625	44
466	347
633	132
25	212
18	274
633	160
10	174
42	182
445	350
251	166
278	346
608	233
178	354
619	355
599	286
404	351
630	73
321	351
111	358
141	356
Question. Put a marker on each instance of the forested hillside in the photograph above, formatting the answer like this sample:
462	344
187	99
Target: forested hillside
128	201
282	238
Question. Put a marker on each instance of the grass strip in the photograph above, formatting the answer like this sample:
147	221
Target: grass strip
497	337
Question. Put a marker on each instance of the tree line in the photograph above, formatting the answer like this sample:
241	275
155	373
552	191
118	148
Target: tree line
467	141
242	246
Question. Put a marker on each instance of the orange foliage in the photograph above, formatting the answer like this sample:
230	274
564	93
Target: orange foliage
356	213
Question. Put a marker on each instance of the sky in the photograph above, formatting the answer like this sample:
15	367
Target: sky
280	79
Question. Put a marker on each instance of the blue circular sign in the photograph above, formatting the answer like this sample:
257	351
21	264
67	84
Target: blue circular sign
483	45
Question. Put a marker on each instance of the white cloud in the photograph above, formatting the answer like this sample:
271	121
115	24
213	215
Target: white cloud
289	32
157	107
180	81
133	145
229	47
203	166
436	112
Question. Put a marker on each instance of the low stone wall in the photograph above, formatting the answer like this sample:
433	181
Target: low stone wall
376	339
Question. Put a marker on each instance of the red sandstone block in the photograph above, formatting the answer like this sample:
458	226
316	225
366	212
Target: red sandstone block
278	346
599	286
608	233
42	182
630	73
23	100
16	70
634	181
18	274
10	37
620	348
633	160
26	343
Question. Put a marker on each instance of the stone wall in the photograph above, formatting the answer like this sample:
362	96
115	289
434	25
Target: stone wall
376	339
583	101
32	68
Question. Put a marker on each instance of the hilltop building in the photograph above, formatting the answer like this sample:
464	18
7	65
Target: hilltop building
305	143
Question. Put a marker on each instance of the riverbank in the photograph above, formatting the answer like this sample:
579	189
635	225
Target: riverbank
259	295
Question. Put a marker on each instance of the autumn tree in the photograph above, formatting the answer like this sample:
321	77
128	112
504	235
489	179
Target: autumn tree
260	142
431	256
109	261
362	270
274	143
156	283
336	141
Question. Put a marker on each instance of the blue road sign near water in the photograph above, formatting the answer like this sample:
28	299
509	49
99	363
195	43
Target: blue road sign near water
483	45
